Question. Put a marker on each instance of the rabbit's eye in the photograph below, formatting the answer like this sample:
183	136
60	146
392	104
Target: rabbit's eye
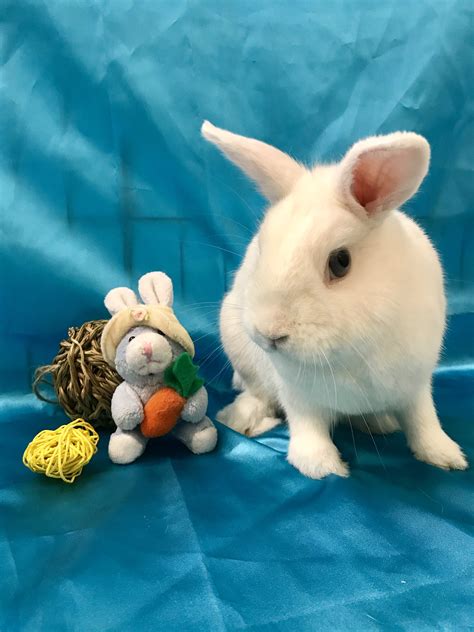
158	331
339	263
131	338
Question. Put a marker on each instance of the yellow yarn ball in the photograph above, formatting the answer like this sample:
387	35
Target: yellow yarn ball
62	453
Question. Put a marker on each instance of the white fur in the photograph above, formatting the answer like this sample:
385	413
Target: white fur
364	345
273	171
394	166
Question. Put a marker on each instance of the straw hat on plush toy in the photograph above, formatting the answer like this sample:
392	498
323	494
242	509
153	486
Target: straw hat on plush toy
160	317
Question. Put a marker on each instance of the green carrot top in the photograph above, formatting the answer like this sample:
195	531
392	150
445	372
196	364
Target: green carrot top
182	376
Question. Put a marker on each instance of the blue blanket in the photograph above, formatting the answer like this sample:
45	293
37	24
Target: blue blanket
103	177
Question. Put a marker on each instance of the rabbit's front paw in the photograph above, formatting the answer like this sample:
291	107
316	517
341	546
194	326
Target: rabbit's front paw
442	452
249	415
316	461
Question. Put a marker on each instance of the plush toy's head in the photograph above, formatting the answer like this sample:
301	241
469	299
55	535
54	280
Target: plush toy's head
142	340
144	354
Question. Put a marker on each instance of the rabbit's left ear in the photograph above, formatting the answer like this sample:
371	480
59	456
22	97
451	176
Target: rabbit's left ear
381	173
156	288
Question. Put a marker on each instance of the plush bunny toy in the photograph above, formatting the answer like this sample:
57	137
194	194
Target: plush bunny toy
142	342
337	312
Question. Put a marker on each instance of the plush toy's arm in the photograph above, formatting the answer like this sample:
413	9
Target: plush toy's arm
127	409
195	407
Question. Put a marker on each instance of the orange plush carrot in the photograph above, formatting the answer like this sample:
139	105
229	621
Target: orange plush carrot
163	409
161	412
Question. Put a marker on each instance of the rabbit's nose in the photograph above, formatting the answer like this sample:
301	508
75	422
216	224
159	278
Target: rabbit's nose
147	350
269	341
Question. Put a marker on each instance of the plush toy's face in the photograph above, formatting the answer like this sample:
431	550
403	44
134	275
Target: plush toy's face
144	354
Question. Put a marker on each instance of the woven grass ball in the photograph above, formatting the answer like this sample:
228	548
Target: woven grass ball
83	382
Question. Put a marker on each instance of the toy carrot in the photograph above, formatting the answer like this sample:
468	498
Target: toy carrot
163	409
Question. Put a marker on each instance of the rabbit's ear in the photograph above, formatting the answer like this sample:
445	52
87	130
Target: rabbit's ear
382	172
119	298
274	172
156	287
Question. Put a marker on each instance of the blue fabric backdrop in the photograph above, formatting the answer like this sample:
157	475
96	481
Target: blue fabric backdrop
103	176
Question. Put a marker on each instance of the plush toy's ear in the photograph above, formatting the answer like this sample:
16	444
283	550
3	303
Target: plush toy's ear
156	287
119	298
381	173
274	172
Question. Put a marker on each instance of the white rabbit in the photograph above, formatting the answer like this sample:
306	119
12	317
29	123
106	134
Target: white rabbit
338	309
